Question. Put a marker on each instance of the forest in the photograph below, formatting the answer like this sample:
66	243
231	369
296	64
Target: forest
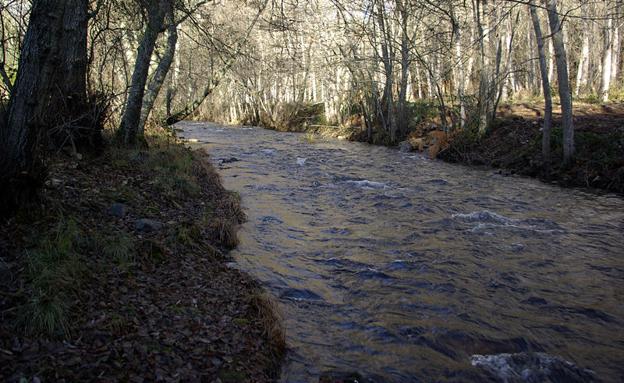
110	196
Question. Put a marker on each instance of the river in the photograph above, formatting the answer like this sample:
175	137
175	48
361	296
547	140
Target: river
405	269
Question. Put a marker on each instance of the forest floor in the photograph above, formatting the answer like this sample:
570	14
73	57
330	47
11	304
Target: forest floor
514	146
119	274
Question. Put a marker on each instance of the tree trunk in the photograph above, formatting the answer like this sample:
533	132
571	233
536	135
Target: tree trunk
545	83
387	60
129	129
49	92
160	74
459	70
607	58
487	85
583	65
402	124
616	43
565	94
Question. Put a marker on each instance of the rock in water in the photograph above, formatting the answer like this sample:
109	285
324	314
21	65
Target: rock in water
147	225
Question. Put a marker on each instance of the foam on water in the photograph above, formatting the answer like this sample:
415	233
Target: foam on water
531	367
366	184
486	220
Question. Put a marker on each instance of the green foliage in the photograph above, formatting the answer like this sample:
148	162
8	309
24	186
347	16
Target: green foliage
591	99
120	248
55	271
173	169
422	110
187	234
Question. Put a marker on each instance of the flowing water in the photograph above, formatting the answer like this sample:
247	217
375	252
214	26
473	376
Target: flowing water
404	269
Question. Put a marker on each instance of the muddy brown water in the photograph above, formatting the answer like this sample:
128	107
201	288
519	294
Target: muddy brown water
404	269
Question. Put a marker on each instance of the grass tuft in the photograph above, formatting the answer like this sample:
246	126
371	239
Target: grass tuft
267	312
120	248
55	271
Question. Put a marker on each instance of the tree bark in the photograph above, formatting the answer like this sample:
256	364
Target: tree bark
129	129
459	70
616	43
160	74
565	94
387	60
545	83
583	65
49	92
402	124
607	57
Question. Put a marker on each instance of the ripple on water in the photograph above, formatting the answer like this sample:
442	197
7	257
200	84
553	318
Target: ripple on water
422	284
486	220
300	295
532	367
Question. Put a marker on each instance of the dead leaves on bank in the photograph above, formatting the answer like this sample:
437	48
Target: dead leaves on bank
158	305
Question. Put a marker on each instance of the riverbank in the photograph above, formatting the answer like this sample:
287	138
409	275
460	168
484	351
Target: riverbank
119	274
513	144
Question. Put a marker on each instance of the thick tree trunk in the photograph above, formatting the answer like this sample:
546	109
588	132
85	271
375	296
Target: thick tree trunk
129	129
543	66
49	93
565	93
160	74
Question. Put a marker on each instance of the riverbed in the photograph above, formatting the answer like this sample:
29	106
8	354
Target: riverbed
400	268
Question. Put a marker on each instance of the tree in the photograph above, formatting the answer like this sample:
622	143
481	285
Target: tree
161	71
129	128
49	92
565	93
545	82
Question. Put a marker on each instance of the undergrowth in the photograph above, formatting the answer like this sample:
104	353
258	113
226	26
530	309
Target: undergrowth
55	273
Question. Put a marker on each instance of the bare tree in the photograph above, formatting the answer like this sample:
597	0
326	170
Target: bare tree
545	83
565	94
129	129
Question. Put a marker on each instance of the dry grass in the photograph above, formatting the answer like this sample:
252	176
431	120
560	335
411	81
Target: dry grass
223	232
268	313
